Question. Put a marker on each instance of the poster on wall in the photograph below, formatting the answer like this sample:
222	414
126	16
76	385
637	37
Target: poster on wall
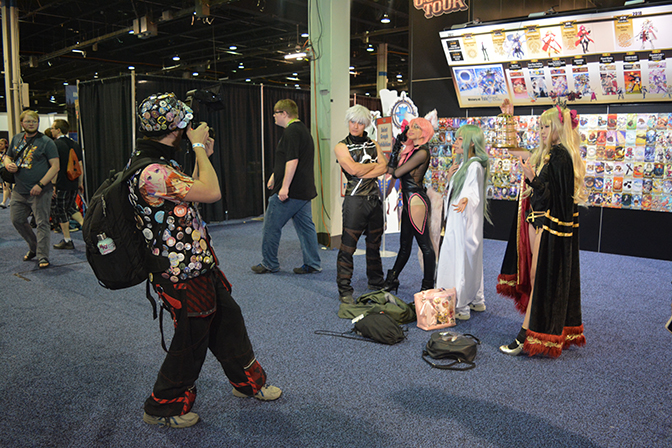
480	84
609	57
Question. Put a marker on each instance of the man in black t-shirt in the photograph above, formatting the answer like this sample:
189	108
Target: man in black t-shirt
292	186
63	203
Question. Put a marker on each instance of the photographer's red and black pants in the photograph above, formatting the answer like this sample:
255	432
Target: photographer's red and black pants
205	317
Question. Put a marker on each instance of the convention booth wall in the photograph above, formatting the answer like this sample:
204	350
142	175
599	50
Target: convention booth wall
638	233
243	123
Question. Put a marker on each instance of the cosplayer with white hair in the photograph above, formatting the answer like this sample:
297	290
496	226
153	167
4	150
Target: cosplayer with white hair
361	161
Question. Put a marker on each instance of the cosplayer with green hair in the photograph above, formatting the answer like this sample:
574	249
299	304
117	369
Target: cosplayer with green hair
465	207
541	264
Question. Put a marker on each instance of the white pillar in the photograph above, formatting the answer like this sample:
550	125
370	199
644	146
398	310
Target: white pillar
330	97
10	47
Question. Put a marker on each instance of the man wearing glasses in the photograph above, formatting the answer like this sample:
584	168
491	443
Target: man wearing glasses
33	158
292	186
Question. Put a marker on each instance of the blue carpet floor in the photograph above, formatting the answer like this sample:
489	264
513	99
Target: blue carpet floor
77	361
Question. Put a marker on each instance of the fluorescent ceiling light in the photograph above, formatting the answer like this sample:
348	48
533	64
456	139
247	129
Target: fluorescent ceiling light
295	55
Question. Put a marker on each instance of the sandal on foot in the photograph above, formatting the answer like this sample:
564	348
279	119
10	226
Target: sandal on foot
44	263
29	256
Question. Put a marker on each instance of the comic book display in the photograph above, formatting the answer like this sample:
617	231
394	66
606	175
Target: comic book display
628	158
608	57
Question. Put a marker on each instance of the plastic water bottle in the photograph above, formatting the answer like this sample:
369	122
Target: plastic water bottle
105	244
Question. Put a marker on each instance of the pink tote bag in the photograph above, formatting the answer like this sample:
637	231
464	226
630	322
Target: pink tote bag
435	308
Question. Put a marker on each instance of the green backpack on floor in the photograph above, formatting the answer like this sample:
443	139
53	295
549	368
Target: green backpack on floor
379	302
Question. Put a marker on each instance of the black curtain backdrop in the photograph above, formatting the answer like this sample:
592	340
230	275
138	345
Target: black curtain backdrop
238	150
106	128
373	104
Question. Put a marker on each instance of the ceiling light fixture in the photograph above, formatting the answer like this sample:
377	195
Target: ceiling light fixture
233	48
370	48
300	55
130	67
194	74
176	58
385	18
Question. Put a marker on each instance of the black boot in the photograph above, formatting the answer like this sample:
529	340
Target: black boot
425	286
391	282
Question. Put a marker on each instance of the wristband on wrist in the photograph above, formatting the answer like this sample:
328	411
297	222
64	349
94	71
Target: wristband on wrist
39	184
198	145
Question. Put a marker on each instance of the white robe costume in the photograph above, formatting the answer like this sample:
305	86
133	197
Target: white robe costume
461	255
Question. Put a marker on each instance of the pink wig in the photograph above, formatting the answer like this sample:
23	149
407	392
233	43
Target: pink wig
427	129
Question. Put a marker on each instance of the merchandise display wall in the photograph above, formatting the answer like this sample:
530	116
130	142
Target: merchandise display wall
606	225
628	158
615	56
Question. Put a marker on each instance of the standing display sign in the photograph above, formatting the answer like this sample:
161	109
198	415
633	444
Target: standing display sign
608	57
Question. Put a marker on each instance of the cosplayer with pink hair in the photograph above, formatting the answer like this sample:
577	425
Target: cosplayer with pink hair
409	165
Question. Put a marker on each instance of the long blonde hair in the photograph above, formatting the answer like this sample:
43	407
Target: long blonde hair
568	136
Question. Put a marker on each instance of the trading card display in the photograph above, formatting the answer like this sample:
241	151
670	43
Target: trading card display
628	158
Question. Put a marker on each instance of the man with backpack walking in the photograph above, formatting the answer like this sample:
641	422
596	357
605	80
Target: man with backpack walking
63	203
192	288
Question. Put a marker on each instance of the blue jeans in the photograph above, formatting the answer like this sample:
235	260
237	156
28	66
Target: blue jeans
277	215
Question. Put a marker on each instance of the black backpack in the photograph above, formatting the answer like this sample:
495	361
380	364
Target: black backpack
111	214
381	328
375	327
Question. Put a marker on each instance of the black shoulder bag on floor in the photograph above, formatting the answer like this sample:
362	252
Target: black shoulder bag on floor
461	348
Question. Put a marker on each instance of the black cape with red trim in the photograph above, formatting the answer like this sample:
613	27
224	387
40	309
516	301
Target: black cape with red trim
555	317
